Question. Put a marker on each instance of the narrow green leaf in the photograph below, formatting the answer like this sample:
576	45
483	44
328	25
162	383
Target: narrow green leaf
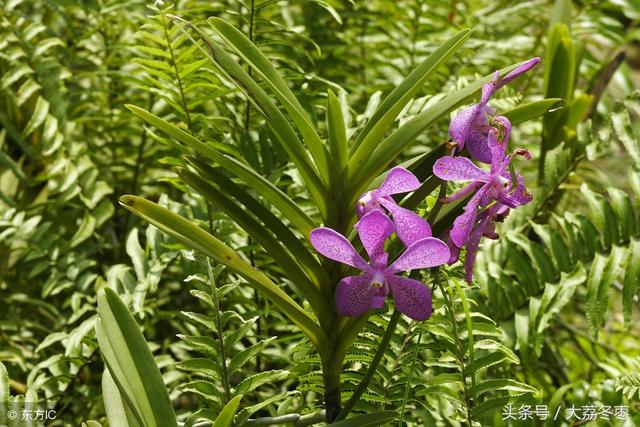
264	238
254	381
602	274
40	112
393	104
526	112
271	221
263	67
118	414
225	419
254	180
131	363
196	238
336	128
84	231
631	283
625	133
505	385
5	392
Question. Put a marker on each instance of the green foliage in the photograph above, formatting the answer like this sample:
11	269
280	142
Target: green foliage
261	120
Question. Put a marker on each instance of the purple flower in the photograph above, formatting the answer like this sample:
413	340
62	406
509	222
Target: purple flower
356	295
410	226
471	126
494	185
485	227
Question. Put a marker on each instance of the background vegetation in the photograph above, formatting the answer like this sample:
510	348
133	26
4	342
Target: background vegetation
550	318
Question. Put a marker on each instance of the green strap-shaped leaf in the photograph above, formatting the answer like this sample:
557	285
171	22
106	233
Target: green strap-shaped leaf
225	418
337	133
526	112
118	413
271	221
131	363
265	69
264	238
276	121
393	145
393	104
196	238
266	189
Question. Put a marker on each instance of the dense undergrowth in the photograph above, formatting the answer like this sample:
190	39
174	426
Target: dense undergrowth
103	99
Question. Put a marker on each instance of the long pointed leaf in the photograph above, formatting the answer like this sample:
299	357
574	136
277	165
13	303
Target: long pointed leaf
283	231
196	238
265	239
254	180
130	362
393	104
263	67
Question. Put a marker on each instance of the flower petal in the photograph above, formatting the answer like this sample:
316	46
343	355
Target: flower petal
472	250
398	180
478	147
411	297
374	228
425	253
355	295
520	196
410	226
459	169
463	122
519	70
335	246
463	224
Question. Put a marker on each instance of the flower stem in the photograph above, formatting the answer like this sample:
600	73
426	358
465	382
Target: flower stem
364	383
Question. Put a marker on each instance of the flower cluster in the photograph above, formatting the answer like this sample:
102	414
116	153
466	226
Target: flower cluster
494	192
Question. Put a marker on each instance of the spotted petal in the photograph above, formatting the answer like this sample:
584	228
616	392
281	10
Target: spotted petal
398	180
478	147
411	297
520	196
467	124
410	226
374	228
355	295
459	169
472	250
425	253
463	224
335	246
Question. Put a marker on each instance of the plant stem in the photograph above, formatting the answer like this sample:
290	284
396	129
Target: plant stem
332	402
364	383
183	98
456	333
223	356
408	385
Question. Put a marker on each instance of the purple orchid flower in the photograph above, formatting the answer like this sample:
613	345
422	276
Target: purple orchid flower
485	227
410	226
471	126
495	185
356	295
